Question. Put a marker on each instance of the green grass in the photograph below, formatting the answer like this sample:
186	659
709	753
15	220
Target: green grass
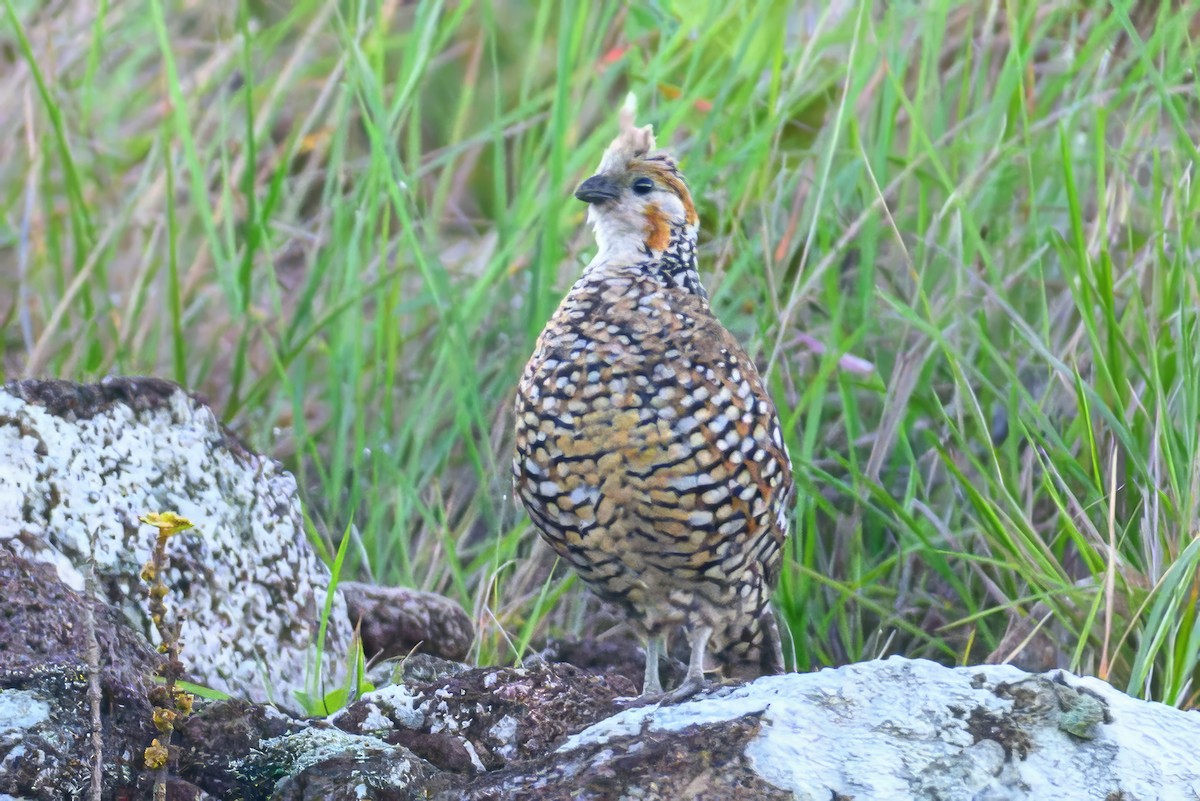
959	236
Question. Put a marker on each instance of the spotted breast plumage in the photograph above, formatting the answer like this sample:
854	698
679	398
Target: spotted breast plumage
648	453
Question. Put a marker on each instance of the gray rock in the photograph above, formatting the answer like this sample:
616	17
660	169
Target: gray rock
886	730
330	765
395	621
912	729
80	463
46	750
218	734
486	718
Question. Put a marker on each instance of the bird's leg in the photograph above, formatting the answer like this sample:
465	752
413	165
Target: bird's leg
693	682
650	681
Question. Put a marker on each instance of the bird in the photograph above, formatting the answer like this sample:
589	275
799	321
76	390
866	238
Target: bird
649	455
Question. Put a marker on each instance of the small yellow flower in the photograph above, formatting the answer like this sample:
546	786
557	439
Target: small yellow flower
167	522
164	719
183	701
156	755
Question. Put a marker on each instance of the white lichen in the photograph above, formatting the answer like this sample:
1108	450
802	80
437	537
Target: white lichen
393	702
902	729
20	711
504	732
254	586
475	760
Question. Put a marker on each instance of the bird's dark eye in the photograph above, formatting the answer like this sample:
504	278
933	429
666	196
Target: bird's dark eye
643	186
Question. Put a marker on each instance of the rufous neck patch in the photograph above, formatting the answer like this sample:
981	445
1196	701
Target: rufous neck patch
658	228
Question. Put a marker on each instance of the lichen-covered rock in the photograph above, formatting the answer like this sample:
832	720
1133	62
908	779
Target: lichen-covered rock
705	762
620	655
486	718
330	765
79	464
901	729
888	730
879	731
416	669
46	749
218	733
395	621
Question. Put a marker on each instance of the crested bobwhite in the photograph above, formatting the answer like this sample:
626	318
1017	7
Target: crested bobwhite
648	453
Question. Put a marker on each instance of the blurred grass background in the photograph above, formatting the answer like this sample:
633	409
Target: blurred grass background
960	235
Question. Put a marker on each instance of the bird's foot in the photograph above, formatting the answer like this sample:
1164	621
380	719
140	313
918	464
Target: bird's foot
636	701
691	685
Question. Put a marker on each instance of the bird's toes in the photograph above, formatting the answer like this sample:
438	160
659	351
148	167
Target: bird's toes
635	701
683	692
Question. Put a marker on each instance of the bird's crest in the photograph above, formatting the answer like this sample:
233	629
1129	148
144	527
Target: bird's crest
633	143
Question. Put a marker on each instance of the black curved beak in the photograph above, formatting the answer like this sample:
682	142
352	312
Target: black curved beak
598	189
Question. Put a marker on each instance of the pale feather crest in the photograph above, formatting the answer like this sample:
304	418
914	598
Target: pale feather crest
631	143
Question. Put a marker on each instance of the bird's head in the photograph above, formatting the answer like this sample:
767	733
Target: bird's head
638	202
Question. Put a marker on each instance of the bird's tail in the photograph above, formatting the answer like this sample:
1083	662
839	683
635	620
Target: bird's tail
752	647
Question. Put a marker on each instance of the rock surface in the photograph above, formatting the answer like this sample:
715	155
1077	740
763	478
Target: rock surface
486	718
220	732
80	463
396	621
45	713
900	729
620	655
329	765
886	731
